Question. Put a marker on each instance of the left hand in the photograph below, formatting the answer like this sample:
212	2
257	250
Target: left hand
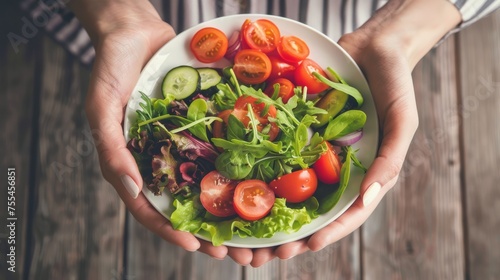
389	77
387	54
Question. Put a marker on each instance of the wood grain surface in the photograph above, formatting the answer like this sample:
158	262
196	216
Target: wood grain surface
479	81
416	232
18	125
439	222
78	220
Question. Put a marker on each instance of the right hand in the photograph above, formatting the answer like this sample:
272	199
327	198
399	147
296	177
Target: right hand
125	36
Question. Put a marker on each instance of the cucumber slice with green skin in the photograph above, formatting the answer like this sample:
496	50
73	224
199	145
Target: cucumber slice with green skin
181	82
209	78
333	102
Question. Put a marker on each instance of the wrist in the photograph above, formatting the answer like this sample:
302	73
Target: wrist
102	17
410	28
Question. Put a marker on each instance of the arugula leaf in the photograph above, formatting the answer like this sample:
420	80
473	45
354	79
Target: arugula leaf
270	168
142	115
147	110
352	91
355	161
314	150
224	98
303	108
301	138
258	150
336	75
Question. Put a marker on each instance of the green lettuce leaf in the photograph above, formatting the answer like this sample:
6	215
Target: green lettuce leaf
189	216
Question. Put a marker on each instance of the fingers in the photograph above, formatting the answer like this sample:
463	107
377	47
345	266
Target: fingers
262	256
148	216
398	128
112	82
117	163
120	58
286	251
348	222
119	168
291	249
218	252
392	89
341	227
109	90
242	256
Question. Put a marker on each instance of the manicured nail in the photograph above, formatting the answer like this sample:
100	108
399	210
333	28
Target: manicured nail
130	185
371	193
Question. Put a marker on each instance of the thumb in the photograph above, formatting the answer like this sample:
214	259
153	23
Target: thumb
117	68
398	125
117	163
112	81
391	85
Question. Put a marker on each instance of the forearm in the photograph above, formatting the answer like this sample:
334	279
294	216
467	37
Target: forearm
413	26
100	17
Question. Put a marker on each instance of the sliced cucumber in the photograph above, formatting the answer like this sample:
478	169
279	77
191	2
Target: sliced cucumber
209	77
181	82
333	102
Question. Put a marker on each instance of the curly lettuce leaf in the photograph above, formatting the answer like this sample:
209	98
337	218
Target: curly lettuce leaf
189	216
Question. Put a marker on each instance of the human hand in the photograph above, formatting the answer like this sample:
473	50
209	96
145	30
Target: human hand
125	36
389	76
386	53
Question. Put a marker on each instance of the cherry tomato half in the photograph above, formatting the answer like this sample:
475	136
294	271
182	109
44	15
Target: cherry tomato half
281	69
253	199
297	186
217	194
328	166
262	35
209	44
251	66
304	77
286	89
293	49
241	112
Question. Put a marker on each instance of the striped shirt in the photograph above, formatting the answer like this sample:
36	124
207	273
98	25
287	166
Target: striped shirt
332	17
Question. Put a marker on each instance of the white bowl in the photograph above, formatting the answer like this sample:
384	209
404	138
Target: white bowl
323	50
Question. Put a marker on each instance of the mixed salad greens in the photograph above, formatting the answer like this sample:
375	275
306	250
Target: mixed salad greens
259	147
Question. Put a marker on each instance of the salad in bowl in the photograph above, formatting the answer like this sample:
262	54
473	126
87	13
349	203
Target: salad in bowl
251	130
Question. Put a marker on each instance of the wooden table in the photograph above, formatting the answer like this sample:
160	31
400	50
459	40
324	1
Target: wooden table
441	221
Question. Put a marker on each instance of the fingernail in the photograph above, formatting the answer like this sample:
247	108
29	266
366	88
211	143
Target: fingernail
371	193
130	185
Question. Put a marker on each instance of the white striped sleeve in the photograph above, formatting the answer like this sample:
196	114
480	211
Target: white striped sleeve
473	10
333	17
60	24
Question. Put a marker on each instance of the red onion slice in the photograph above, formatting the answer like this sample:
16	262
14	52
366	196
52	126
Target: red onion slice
348	139
234	45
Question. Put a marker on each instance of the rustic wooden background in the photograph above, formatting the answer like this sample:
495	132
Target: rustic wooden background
441	221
